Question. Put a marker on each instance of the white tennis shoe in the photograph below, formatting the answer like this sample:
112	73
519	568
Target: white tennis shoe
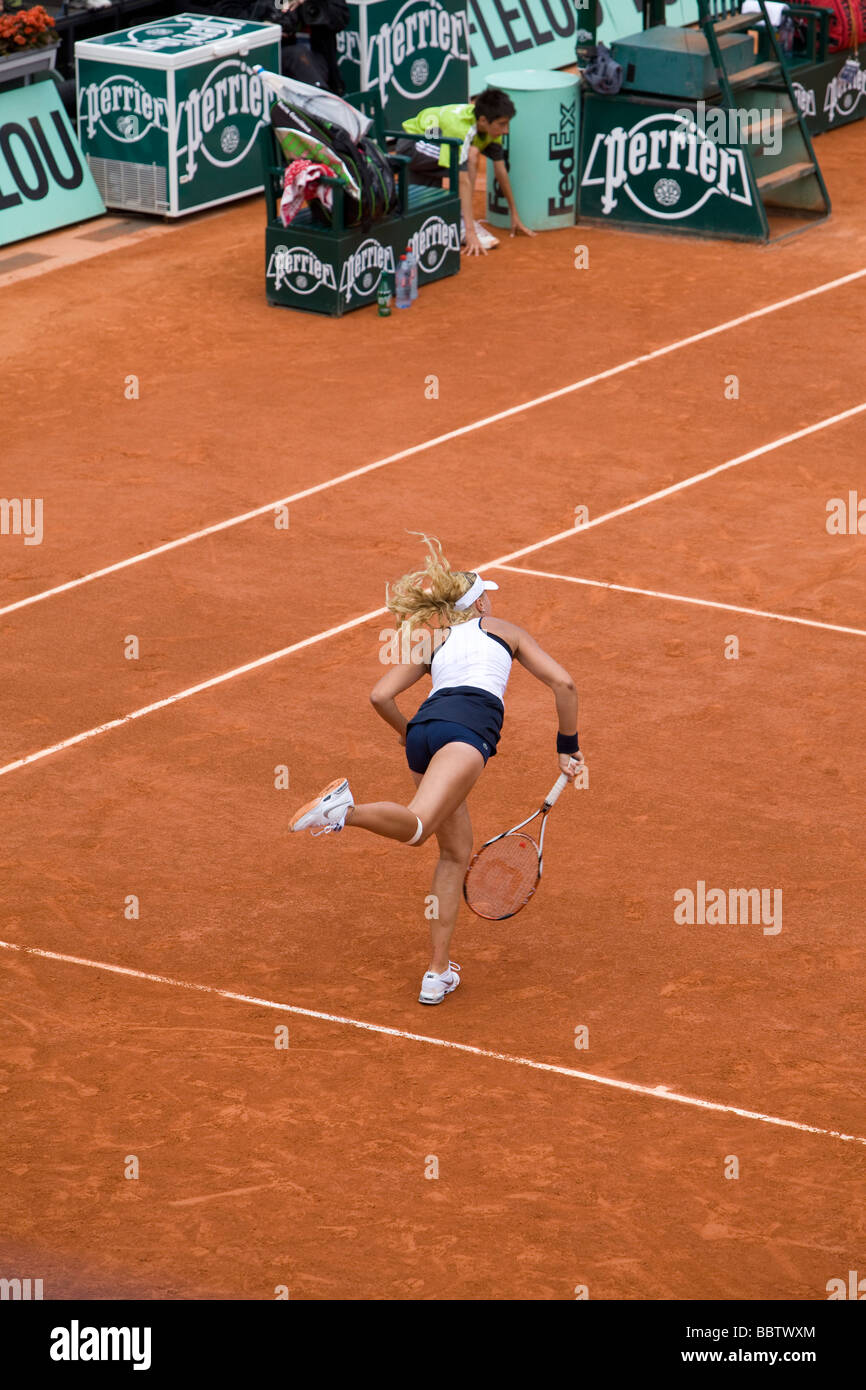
327	811
487	239
434	987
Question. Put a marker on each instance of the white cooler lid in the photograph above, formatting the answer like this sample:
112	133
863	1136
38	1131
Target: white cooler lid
179	41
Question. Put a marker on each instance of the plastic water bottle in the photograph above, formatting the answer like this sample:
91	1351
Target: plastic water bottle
412	262
404	284
383	297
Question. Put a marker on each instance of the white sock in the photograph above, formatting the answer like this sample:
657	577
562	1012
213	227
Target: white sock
418	833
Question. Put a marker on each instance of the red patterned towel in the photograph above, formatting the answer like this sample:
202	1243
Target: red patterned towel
301	185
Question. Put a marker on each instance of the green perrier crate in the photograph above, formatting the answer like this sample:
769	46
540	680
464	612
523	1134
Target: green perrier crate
333	272
169	112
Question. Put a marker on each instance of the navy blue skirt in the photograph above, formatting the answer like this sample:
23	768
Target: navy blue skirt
423	740
477	711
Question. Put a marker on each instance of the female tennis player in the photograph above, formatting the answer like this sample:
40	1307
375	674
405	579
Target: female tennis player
450	738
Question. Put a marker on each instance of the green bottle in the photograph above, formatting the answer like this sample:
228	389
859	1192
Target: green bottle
384	297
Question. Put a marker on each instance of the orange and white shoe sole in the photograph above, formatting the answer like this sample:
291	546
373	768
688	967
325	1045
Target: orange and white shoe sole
311	805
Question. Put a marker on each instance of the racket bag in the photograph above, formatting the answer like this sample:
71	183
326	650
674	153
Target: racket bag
361	166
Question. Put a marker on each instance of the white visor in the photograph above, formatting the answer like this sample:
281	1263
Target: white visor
466	600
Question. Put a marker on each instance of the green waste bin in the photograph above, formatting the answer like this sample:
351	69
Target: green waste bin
541	150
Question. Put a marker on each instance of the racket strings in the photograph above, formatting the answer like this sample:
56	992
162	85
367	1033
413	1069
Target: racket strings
502	876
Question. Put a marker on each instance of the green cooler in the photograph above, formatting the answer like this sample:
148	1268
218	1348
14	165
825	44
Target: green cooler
169	112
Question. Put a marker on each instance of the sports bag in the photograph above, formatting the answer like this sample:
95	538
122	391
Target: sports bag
361	166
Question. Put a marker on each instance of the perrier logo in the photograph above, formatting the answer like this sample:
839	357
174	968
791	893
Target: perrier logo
667	166
300	269
219	121
845	90
181	31
122	107
412	52
432	242
363	270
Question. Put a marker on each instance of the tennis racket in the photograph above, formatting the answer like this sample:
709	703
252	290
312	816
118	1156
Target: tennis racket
505	872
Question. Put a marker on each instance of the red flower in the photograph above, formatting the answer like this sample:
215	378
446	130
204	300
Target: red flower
33	28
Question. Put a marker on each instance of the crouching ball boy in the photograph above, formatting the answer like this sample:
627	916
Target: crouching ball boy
481	124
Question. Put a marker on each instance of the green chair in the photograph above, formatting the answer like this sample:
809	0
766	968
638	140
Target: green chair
335	269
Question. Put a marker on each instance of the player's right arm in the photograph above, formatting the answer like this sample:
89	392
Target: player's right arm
472	246
395	680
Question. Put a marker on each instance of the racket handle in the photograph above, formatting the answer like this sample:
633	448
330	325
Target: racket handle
553	795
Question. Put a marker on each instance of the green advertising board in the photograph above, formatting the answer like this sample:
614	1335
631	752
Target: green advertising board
643	165
430	52
44	180
169	112
414	52
829	97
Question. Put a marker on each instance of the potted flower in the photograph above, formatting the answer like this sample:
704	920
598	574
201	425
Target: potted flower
28	42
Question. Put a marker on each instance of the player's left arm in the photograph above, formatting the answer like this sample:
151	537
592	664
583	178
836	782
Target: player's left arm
500	173
540	664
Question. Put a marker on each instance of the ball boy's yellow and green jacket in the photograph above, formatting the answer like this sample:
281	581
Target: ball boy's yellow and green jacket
458	123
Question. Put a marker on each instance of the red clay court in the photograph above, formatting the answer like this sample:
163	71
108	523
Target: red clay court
303	1167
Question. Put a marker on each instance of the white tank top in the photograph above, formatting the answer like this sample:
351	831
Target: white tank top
471	656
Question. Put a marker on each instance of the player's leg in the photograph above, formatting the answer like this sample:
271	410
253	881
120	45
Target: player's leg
454	837
424	166
450	776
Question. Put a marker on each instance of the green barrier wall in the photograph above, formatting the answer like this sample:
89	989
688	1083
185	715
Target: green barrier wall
429	52
415	53
642	168
826	99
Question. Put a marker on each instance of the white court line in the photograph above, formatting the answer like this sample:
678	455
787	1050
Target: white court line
458	433
500	562
686	482
656	1092
681	598
191	690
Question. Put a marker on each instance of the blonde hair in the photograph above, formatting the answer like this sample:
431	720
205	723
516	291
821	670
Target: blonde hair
426	598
